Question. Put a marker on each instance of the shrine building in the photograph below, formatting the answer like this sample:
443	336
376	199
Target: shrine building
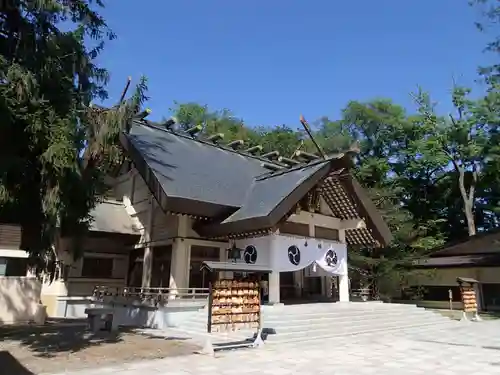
182	199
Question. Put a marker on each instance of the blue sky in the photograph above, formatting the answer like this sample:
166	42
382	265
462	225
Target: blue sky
270	61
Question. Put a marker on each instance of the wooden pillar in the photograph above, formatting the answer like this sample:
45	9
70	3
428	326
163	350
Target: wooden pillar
343	283
181	258
147	265
274	288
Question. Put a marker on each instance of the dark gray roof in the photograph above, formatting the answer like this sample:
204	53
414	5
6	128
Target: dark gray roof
194	170
271	198
460	261
266	193
234	267
202	178
482	243
235	189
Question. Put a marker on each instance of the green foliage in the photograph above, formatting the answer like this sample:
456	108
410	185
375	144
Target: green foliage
388	165
55	149
462	149
434	178
488	23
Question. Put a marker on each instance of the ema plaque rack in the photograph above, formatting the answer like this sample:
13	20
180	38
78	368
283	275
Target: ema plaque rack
234	305
469	298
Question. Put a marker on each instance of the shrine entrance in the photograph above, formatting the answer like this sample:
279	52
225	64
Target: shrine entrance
303	287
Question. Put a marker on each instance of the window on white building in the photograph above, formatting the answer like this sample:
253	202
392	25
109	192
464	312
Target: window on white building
3	266
13	266
97	268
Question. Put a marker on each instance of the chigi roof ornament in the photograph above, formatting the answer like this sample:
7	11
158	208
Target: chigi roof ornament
311	137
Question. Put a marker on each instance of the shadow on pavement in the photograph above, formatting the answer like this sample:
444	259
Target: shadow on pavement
10	365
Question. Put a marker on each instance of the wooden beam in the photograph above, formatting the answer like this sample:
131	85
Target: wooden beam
319	220
324	221
353	224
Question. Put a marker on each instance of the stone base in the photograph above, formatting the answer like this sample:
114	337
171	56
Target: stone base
208	348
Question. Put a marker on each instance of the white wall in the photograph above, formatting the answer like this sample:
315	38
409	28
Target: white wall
19	299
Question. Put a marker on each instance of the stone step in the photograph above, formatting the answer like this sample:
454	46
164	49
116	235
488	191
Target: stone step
329	321
311	311
408	331
357	315
318	325
367	325
399	327
292	309
279	339
322	321
276	320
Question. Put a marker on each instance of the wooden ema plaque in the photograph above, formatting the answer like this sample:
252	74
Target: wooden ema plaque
234	305
469	299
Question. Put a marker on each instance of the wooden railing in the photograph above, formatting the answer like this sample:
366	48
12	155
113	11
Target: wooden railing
150	296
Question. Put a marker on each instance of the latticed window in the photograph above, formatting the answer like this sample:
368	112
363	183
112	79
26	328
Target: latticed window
97	268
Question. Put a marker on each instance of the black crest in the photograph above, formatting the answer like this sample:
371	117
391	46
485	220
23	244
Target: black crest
250	254
294	255
331	258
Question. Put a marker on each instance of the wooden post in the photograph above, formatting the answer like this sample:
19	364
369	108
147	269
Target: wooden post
469	297
210	302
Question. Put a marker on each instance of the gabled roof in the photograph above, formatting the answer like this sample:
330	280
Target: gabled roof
216	178
482	243
270	198
235	189
457	261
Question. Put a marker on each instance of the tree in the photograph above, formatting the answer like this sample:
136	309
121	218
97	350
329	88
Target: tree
490	20
49	78
461	142
281	138
384	131
191	114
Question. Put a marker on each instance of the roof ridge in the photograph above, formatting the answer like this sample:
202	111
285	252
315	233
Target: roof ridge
283	171
156	126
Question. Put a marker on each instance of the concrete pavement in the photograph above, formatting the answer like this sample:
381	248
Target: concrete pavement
472	349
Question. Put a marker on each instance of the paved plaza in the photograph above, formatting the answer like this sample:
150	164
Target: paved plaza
471	348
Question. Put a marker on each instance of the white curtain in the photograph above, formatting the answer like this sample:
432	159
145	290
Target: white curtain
333	260
295	253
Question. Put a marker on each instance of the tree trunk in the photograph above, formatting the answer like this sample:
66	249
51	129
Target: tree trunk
467	197
469	216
